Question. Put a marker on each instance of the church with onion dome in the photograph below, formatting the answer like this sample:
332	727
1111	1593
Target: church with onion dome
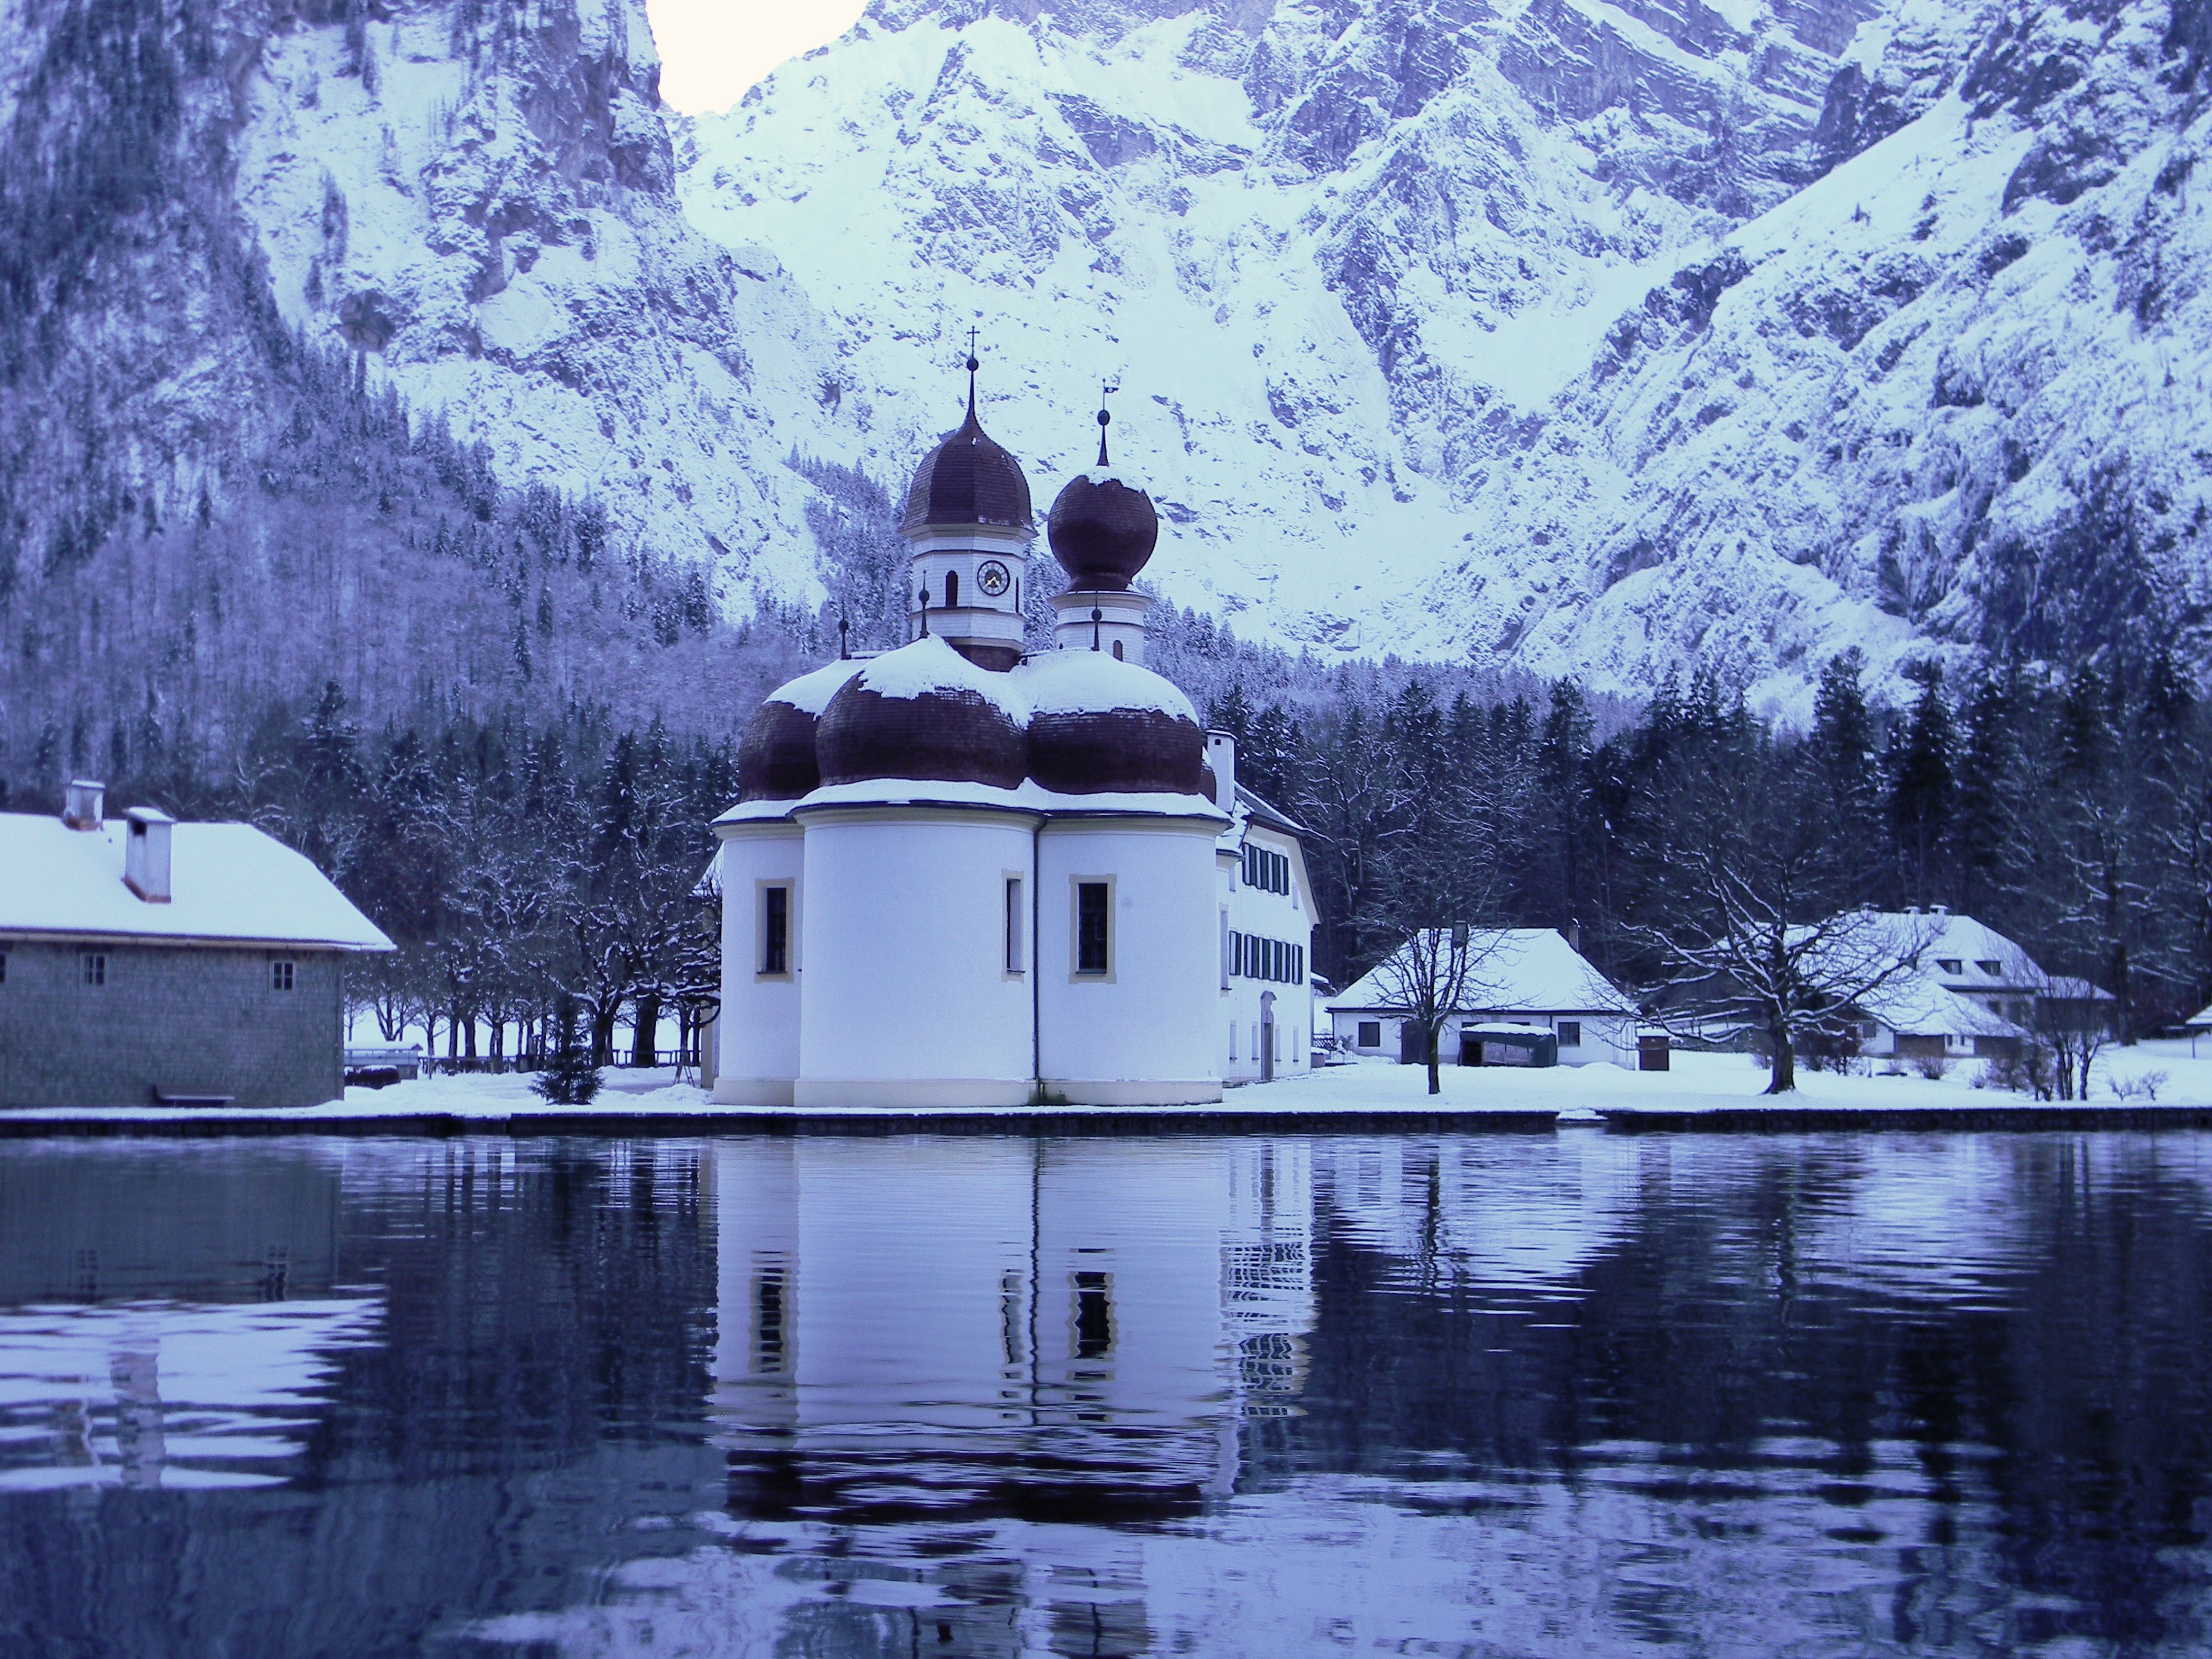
967	873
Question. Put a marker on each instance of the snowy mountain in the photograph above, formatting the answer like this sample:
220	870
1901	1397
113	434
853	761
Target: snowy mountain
1611	338
1584	336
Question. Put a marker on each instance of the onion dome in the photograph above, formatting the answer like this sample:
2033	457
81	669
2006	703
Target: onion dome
1102	531
1100	725
924	712
969	480
775	758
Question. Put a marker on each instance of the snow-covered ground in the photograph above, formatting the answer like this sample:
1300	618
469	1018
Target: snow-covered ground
2163	1072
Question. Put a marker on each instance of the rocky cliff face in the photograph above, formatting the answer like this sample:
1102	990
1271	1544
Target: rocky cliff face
1608	337
1592	337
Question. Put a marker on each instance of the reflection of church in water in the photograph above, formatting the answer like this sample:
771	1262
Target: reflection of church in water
1088	1322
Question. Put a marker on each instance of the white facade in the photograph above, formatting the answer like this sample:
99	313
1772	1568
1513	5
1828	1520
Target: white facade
755	1049
1264	1023
1136	1034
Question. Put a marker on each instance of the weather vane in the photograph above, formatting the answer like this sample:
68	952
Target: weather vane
1105	420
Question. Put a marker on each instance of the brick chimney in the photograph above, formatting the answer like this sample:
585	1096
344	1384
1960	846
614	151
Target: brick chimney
146	855
83	803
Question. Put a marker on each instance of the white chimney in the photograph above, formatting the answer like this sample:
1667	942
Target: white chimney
146	855
82	804
1221	756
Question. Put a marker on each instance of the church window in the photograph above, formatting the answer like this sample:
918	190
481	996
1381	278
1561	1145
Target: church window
1013	924
1091	915
280	976
952	589
1117	652
96	967
776	930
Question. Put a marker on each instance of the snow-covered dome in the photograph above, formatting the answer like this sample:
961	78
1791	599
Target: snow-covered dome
1098	725
1102	531
969	480
776	757
924	711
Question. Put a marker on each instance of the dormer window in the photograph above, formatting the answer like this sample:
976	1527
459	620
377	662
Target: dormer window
1951	964
1994	970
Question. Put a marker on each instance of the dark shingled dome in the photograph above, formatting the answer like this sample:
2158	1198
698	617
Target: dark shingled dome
776	758
1117	750
946	732
1102	531
968	479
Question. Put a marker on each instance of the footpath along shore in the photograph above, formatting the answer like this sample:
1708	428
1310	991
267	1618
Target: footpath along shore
2152	1085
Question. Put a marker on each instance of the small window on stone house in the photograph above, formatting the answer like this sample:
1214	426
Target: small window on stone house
96	967
281	975
1370	1034
1570	1034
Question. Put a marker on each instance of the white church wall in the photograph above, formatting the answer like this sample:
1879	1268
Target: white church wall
756	1030
1142	1033
907	999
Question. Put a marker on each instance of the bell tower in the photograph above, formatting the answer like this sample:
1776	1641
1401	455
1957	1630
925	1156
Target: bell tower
968	531
1103	533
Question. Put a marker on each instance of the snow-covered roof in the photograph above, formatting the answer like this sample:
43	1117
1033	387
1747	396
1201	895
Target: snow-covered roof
1089	681
811	692
1918	1005
228	881
1973	946
1265	812
1029	797
1517	969
2199	1021
930	665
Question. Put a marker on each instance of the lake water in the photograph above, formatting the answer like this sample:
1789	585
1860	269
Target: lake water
1240	1396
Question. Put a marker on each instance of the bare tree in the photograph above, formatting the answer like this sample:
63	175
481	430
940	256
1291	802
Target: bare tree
2072	1023
1789	979
1433	975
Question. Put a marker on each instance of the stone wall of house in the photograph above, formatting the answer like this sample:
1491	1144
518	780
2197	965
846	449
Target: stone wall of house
181	1019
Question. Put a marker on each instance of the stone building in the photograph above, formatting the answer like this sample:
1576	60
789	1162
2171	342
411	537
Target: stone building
146	962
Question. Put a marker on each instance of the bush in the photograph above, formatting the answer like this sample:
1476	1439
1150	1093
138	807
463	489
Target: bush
2144	1086
2027	1070
1934	1067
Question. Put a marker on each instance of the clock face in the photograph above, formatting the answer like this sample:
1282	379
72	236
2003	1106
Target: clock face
992	577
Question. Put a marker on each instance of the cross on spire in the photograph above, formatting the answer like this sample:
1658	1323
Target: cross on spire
973	365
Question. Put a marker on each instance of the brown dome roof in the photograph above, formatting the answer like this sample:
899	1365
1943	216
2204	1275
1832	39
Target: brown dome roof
1102	531
969	480
1099	726
922	712
775	757
1117	752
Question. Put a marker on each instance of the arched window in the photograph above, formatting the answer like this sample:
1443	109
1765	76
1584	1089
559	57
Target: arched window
1117	652
952	589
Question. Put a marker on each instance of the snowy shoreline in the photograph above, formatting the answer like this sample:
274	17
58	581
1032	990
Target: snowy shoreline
1702	1093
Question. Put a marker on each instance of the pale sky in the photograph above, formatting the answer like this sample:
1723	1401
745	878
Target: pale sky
713	51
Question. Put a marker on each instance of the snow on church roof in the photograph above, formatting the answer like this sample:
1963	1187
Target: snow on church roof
228	881
1532	969
811	692
1076	682
930	665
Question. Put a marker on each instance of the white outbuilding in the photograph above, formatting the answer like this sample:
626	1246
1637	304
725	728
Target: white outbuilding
959	874
1525	983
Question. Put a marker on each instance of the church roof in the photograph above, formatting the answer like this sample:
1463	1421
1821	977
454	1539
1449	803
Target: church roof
969	479
229	883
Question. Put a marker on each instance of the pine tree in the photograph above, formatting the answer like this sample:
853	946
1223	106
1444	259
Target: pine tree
1921	784
570	1077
